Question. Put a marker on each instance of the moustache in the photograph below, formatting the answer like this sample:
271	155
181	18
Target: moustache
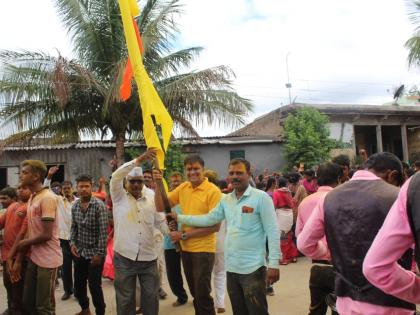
236	180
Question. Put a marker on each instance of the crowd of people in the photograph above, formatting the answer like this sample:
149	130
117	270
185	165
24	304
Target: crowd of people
358	226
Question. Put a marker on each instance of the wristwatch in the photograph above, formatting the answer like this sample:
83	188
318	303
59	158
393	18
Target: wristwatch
183	236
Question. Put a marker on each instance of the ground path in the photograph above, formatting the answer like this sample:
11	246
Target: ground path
291	295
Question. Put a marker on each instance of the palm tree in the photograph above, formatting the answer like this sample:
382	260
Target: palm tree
63	100
413	44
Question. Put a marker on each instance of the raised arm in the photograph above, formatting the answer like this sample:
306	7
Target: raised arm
116	186
173	196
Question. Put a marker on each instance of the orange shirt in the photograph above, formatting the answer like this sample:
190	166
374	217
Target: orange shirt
42	206
196	201
12	221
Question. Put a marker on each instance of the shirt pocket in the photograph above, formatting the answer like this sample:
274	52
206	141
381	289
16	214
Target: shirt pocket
249	221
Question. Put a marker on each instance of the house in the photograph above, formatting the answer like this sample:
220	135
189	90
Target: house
92	157
375	128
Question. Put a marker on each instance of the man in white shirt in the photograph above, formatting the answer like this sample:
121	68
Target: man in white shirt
135	256
66	200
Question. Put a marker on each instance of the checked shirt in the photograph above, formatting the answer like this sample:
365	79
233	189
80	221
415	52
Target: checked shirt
89	228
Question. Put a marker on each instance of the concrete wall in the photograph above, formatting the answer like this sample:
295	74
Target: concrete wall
413	137
94	161
264	155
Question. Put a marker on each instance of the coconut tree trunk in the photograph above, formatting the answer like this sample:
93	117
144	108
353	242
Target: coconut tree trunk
119	147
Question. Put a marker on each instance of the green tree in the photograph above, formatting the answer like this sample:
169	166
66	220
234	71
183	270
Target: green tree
174	160
413	43
307	137
63	100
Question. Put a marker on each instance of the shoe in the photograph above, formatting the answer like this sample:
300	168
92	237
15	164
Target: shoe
162	294
84	312
178	303
139	311
220	310
66	296
294	260
284	262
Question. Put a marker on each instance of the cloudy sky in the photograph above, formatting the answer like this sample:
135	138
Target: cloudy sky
348	52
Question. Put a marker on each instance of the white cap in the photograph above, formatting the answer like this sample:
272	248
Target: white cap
135	173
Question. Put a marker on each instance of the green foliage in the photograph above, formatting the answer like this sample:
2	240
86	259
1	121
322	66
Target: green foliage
413	43
174	159
43	95
307	137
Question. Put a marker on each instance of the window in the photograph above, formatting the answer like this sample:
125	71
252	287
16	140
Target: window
3	177
237	154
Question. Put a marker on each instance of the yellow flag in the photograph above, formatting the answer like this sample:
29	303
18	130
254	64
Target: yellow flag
153	110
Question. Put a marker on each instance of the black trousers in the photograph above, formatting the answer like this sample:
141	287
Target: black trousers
67	267
85	273
14	290
247	292
198	268
173	272
321	283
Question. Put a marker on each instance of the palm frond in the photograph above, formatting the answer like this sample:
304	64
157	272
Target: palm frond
171	64
413	46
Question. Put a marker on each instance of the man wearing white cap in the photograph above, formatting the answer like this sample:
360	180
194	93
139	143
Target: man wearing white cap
135	218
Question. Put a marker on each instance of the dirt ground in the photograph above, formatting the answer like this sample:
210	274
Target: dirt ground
291	295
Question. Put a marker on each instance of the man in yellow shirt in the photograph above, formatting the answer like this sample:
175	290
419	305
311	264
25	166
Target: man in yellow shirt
198	245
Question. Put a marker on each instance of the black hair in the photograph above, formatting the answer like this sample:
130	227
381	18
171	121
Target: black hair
293	177
417	163
9	192
410	172
282	182
241	161
342	160
328	174
55	184
148	171
176	174
84	178
270	182
193	158
222	184
309	172
67	182
384	161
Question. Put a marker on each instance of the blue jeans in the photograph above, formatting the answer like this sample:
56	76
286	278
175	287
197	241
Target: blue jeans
126	272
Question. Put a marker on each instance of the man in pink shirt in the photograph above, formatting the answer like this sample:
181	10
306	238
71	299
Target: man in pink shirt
399	233
350	217
42	240
321	282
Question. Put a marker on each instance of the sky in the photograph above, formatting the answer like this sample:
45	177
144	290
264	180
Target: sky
334	52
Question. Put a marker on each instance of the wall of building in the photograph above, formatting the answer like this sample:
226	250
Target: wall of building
341	131
413	137
264	155
92	161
